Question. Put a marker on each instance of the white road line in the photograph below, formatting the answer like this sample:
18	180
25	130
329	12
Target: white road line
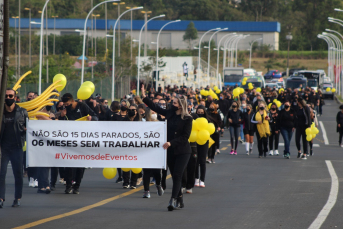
330	203
326	140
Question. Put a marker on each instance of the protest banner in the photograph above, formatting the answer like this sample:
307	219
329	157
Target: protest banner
96	144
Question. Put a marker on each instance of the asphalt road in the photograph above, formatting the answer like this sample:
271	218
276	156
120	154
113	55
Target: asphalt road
241	192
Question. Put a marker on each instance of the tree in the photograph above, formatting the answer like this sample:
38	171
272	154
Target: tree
191	34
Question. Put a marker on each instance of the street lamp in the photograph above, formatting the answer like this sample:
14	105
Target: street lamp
157	44
30	59
54	32
139	47
237	46
251	50
114	45
329	54
84	37
226	47
198	70
231	46
15	47
289	37
145	31
332	57
118	4
94	16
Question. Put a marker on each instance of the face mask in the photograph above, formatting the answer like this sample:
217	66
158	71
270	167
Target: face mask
122	108
234	107
201	115
154	116
286	106
9	102
211	109
221	97
273	109
29	99
131	113
60	108
244	105
167	97
143	115
48	108
174	108
69	106
261	108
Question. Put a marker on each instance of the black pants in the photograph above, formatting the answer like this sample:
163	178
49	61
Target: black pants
15	155
340	131
127	180
202	152
188	177
214	147
301	133
262	145
147	173
164	178
54	174
69	176
24	162
32	172
43	177
234	133
177	165
273	136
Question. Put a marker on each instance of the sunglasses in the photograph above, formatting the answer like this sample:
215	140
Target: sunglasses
106	102
9	96
132	109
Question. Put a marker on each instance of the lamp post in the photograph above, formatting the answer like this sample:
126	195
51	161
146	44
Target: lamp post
237	47
54	33
199	53
231	46
329	54
84	37
289	37
119	3
251	49
30	59
19	35
332	57
225	47
113	48
139	47
130	34
157	47
146	31
15	47
95	38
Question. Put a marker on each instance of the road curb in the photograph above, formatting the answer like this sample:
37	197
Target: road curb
337	100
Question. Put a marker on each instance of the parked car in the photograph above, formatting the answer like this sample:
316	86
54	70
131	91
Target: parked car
291	71
272	74
280	82
326	93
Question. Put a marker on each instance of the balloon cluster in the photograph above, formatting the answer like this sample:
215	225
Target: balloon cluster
216	89
201	131
244	81
86	90
134	170
281	90
237	91
333	90
210	92
328	89
35	105
311	132
110	173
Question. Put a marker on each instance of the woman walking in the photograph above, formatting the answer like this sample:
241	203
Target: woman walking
339	120
274	132
286	125
217	121
249	129
261	119
303	121
234	117
179	127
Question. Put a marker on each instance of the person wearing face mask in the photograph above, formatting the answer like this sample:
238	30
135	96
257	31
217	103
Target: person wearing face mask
141	111
339	121
243	109
75	110
217	121
313	120
234	119
179	127
261	119
249	129
302	122
12	140
124	104
274	132
286	125
224	106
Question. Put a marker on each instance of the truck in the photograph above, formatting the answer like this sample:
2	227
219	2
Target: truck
233	76
296	82
315	79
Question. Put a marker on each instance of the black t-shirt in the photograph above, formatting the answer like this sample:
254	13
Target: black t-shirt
301	117
314	99
9	137
172	124
80	111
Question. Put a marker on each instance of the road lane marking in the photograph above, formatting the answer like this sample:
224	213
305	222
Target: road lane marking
326	140
83	209
224	148
330	203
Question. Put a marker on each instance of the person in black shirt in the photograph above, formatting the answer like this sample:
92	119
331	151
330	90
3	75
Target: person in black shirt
286	125
224	106
339	120
274	132
75	110
234	118
12	140
213	113
248	129
303	121
321	102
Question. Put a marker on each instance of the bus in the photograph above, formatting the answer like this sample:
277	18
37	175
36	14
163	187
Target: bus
296	82
315	79
233	76
255	81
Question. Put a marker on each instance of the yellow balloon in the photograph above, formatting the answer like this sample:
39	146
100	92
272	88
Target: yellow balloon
211	128
109	173
193	136
125	169
218	91
314	136
24	147
203	135
244	83
245	79
200	142
210	142
195	126
202	123
278	103
328	89
258	89
308	131
269	105
89	84
84	93
333	90
61	84
242	90
136	170
205	93
309	138
215	87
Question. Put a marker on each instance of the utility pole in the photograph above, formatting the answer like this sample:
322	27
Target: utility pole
54	33
289	37
19	39
30	57
119	3
15	47
145	31
47	46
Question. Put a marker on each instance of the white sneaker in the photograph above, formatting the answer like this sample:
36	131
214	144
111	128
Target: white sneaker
190	191
36	183
202	184
276	152
32	182
196	184
342	145
61	180
271	153
183	190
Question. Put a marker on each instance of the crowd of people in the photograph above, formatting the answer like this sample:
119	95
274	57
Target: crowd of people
252	116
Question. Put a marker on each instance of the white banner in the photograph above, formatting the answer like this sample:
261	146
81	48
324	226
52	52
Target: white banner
96	144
